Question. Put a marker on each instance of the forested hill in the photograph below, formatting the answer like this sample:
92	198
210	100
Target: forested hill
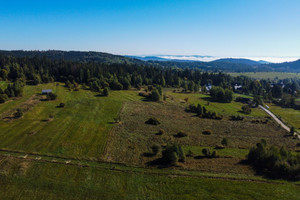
287	66
224	65
78	56
239	61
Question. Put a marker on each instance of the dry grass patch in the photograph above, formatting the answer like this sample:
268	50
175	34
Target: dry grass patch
131	141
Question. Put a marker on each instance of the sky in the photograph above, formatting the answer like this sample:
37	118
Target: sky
222	28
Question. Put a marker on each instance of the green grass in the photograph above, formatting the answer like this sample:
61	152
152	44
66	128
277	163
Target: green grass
289	115
80	129
232	152
267	75
232	108
40	180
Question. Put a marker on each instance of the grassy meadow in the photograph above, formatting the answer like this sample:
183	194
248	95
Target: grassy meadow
80	129
267	75
79	152
134	137
42	180
289	115
228	109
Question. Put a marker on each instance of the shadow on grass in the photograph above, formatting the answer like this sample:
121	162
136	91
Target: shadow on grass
99	95
199	157
148	154
158	163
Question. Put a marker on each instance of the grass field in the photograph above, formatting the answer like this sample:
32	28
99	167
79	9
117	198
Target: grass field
267	75
289	115
80	129
134	138
81	153
232	108
231	152
40	180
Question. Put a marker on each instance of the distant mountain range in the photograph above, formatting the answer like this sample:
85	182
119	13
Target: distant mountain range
242	61
207	63
199	58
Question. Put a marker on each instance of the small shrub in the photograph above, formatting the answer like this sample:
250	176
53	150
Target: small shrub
246	109
61	105
224	142
155	96
144	94
155	149
19	113
206	152
105	92
117	119
51	96
165	97
3	98
152	121
172	154
237	118
190	153
207	132
292	130
214	154
181	134
161	132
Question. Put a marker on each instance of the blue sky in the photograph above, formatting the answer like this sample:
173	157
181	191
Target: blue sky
137	27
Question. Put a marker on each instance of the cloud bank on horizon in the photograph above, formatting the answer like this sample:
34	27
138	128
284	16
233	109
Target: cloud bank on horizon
212	58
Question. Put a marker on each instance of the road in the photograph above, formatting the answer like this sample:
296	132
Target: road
275	118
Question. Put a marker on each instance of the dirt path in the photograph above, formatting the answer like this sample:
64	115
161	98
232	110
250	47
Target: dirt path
275	118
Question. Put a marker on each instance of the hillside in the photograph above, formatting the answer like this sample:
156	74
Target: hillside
81	150
81	56
225	65
239	60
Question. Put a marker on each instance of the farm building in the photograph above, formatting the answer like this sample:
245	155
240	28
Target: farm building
46	91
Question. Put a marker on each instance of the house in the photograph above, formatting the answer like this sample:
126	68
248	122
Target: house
46	91
208	87
236	87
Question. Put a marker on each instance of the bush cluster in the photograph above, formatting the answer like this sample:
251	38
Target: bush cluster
221	95
203	112
172	154
181	134
51	96
207	153
153	121
246	109
278	163
237	118
207	132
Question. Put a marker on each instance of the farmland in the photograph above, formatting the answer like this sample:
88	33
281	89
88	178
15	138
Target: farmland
267	75
79	151
289	115
79	129
27	179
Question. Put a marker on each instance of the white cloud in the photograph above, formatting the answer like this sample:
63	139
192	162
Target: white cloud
212	58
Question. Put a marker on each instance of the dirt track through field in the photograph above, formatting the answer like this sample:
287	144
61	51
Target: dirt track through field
275	118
